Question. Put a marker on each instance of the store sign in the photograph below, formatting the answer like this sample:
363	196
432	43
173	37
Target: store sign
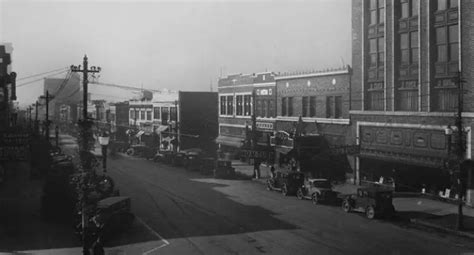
282	139
14	146
265	125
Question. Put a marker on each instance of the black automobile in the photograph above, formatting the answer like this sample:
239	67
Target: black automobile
374	202
286	182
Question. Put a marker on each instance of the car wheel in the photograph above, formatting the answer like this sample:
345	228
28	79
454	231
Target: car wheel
370	212
269	186
314	198
284	190
299	194
346	206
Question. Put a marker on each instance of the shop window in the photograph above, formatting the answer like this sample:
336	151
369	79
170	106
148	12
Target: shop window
283	106
142	115
338	107
156	113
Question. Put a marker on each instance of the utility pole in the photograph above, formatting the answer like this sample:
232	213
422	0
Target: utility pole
254	135
36	116
460	150
46	123
178	140
85	136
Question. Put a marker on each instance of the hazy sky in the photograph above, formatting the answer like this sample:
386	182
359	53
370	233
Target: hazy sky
181	45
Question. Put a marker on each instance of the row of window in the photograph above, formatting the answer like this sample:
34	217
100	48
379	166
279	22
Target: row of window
445	39
243	105
308	106
163	113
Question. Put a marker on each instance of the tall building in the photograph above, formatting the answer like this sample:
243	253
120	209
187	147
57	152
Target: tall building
406	55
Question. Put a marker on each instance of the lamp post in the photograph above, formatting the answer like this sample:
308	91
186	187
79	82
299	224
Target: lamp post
104	141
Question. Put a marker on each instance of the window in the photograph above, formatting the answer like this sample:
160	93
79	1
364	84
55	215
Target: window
329	108
442	54
409	48
142	114
173	114
377	12
164	115
283	106
270	111
223	105
442	5
373	52
447	43
375	96
230	105
132	114
338	107
312	106
408	8
239	105
453	33
264	111
247	105
305	107
381	51
156	113
148	115
290	106
137	114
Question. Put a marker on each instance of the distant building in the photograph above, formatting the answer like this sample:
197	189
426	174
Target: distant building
236	109
312	117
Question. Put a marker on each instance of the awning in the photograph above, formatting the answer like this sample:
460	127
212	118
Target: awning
283	150
140	133
230	141
160	129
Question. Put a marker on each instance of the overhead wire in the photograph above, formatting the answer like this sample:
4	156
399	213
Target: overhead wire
39	74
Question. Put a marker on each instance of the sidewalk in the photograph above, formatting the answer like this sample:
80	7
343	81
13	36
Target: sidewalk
413	207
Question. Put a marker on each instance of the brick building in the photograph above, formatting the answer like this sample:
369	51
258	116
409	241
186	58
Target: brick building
236	107
403	97
316	106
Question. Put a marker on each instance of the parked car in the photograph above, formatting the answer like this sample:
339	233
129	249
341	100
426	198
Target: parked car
224	169
286	182
374	202
318	190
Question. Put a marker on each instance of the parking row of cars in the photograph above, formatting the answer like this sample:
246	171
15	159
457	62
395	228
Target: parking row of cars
373	201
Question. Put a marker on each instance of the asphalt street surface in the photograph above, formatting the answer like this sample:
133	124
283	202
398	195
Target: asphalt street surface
194	214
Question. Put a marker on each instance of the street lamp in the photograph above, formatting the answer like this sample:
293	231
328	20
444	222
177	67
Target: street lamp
104	141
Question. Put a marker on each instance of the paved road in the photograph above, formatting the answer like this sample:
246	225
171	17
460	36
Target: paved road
194	214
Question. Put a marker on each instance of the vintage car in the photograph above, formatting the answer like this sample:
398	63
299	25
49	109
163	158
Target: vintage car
286	182
224	169
318	190
374	202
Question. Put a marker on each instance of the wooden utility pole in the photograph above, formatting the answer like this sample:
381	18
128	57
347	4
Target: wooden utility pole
84	148
46	123
36	117
460	150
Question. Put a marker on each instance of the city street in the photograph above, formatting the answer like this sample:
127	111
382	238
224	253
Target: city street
198	215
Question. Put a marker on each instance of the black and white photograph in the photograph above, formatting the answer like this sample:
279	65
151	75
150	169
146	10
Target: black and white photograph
215	127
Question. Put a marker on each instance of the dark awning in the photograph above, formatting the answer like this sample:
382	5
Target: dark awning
230	141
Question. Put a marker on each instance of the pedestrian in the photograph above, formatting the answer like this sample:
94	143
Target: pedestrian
256	168
272	171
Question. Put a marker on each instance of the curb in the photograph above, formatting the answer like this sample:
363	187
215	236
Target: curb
441	228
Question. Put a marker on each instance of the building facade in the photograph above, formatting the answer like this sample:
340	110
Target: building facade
407	56
313	108
236	107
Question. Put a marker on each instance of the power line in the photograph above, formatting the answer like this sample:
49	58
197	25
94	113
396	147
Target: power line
39	74
40	79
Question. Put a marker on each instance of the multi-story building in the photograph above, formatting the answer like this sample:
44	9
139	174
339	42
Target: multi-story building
119	120
406	56
313	115
236	107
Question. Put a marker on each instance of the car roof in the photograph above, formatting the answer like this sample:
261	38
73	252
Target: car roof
374	189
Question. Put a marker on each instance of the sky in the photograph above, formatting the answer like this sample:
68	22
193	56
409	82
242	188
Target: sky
179	45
